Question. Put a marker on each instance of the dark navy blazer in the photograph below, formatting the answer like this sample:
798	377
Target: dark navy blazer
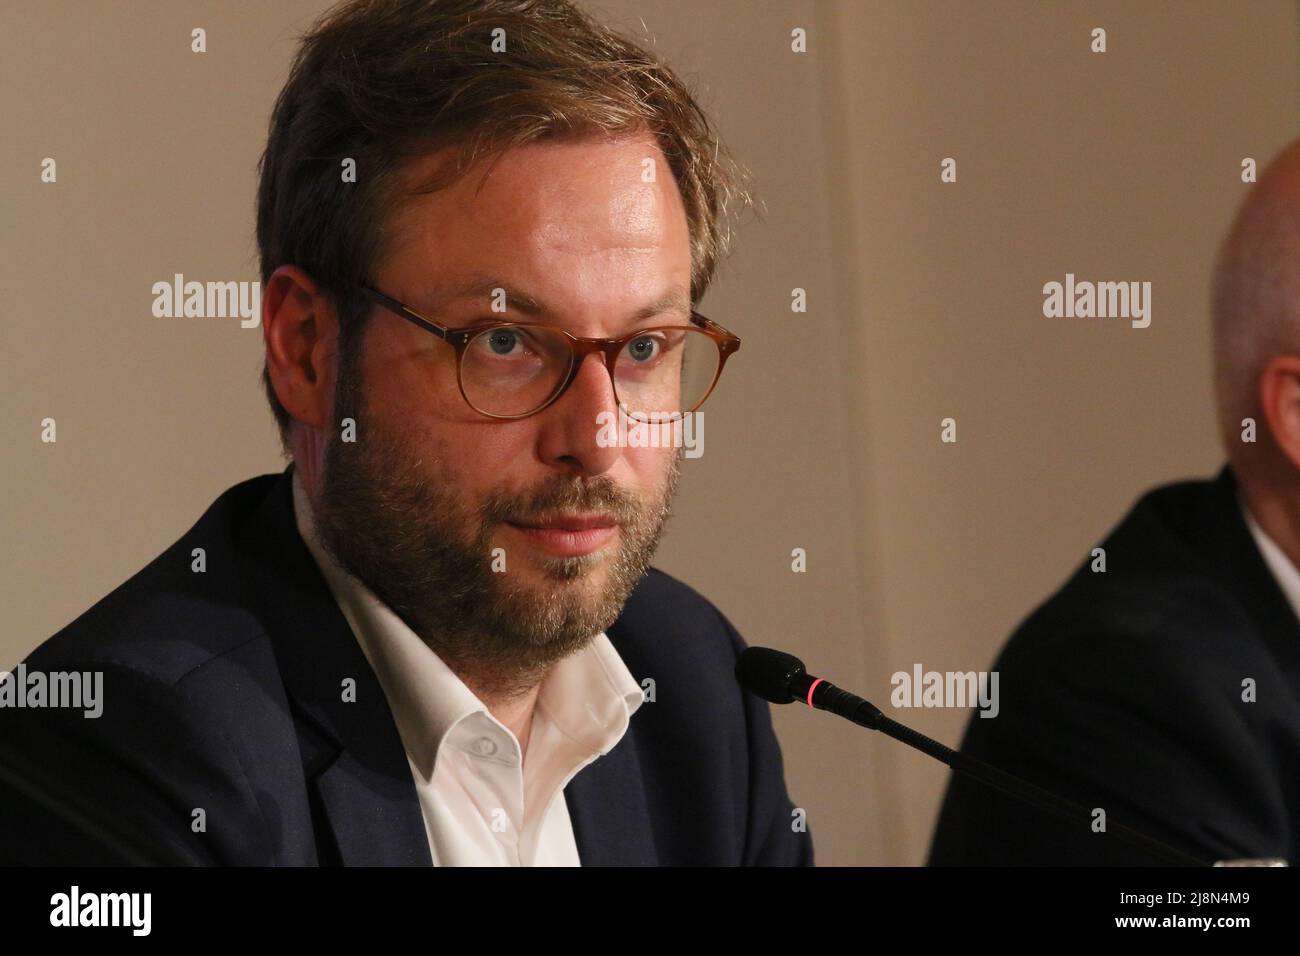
223	704
1124	691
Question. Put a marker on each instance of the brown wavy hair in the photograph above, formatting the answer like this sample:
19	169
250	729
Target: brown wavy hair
385	81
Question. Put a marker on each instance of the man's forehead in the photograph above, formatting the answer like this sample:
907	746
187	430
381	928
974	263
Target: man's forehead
435	204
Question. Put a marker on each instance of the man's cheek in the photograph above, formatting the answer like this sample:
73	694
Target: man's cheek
432	452
650	465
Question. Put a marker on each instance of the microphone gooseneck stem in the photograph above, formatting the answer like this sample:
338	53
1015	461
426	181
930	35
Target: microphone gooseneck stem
826	696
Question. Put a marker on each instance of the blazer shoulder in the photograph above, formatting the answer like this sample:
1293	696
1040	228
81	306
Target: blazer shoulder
659	590
661	607
1160	618
1156	585
187	606
1174	661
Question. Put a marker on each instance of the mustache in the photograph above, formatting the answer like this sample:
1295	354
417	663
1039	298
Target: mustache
591	495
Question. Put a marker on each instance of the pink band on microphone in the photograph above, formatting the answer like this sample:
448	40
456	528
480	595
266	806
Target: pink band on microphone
811	689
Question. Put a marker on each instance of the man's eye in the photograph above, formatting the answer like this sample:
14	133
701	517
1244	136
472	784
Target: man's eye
644	348
502	341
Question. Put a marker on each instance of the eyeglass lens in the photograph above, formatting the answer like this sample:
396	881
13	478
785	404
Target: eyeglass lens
512	370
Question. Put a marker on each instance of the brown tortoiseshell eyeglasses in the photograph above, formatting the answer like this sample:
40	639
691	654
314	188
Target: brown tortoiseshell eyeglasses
512	369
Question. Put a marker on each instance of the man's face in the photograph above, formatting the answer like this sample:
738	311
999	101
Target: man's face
425	506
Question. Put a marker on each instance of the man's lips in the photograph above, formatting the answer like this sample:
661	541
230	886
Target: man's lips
570	522
568	535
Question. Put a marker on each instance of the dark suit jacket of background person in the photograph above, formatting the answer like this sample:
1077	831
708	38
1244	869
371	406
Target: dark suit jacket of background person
223	690
1124	691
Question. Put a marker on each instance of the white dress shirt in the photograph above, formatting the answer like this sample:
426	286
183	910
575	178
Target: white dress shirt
481	807
1288	578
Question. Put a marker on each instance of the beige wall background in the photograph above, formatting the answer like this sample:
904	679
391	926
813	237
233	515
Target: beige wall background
924	302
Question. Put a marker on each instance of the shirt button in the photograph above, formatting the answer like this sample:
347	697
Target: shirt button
485	746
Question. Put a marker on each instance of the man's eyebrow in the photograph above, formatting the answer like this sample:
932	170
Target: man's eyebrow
671	300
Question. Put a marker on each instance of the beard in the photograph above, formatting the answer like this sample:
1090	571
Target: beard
425	549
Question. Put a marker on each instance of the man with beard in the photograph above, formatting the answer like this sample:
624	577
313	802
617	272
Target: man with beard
436	637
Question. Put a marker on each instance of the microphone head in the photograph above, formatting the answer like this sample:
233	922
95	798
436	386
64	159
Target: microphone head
769	674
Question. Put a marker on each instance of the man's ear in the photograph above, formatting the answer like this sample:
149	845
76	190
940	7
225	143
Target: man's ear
300	329
1279	399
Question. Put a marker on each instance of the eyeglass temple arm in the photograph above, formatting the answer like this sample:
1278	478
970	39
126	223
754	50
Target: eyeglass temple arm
730	343
392	305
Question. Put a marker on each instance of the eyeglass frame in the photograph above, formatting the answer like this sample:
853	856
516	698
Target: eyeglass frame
579	346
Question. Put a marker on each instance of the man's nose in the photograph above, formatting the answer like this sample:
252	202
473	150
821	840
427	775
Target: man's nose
574	424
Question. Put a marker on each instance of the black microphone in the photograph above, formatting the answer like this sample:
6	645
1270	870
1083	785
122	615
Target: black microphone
780	678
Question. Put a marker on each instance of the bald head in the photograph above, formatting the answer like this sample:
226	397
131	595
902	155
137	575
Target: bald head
1256	305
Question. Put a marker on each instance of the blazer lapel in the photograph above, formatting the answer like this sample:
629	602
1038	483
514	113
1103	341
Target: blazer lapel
352	752
1236	560
606	801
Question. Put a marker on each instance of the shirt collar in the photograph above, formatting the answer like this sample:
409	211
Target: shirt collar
1286	574
589	695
